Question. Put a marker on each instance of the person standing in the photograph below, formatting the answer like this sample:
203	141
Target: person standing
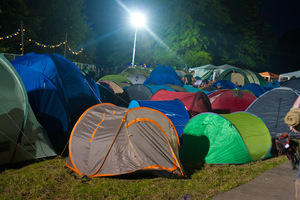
292	119
189	78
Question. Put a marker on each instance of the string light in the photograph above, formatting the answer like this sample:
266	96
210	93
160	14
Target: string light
42	45
10	36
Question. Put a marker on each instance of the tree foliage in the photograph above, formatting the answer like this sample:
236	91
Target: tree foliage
46	22
195	33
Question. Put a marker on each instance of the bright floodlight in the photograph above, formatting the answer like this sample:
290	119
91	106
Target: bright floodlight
137	19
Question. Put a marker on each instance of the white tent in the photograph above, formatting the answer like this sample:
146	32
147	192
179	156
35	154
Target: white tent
205	71
290	74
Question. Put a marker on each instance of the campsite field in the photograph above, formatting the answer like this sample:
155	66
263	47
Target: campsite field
50	179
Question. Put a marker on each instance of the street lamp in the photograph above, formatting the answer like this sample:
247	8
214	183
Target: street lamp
138	20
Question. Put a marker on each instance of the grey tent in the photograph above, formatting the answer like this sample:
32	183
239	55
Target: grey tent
109	140
272	107
21	136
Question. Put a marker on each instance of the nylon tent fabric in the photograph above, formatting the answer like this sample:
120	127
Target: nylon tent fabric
256	89
136	92
271	85
227	101
58	92
193	89
80	91
234	138
204	71
272	107
155	88
173	109
136	78
292	83
242	76
116	88
195	103
162	75
21	136
109	140
225	84
177	88
107	93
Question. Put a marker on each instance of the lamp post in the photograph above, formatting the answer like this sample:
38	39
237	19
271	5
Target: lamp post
137	20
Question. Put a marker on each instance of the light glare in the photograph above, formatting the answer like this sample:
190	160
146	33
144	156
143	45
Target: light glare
137	19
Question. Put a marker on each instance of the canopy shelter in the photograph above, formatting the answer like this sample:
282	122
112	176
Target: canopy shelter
289	75
269	76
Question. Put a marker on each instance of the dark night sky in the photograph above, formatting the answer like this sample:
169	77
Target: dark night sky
283	15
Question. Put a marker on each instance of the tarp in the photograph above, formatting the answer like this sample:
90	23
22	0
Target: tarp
272	107
109	140
227	101
173	109
195	103
21	136
234	138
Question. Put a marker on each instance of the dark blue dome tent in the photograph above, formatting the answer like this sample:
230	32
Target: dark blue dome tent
225	84
174	109
162	75
57	91
256	89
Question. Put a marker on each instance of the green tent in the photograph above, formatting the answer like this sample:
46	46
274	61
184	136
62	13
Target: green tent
21	136
234	138
242	76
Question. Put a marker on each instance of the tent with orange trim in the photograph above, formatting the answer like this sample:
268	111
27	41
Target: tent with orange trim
110	140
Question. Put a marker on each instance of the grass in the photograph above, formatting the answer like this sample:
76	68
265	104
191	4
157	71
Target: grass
50	179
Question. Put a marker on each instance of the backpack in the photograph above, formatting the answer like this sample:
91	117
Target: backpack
285	146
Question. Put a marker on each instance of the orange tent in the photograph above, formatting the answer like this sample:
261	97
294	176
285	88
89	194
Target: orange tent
269	76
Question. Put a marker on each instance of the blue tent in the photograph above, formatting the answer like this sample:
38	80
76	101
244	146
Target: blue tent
57	90
256	89
225	84
173	109
271	85
162	75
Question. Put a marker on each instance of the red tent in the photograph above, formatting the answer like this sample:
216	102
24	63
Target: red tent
228	101
195	102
